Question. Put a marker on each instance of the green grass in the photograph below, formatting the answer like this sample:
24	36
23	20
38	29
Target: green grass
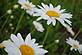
22	23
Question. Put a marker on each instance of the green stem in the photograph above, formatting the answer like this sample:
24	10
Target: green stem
74	38
77	33
3	15
46	35
7	19
54	41
4	23
18	25
73	5
32	31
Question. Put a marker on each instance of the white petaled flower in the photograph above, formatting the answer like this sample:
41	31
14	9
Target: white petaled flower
38	26
75	44
28	6
17	46
52	14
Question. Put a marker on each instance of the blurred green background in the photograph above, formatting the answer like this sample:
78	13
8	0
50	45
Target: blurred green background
22	23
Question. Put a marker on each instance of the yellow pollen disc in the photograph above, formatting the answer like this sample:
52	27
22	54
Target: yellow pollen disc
27	5
1	46
26	50
52	13
75	46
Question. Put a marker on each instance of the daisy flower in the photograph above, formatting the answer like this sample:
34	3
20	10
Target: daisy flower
38	26
52	14
17	46
28	6
75	44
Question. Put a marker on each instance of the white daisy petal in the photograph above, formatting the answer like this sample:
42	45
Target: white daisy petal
71	48
57	8
51	6
40	46
33	41
69	22
80	49
41	8
40	51
36	14
28	37
30	12
39	18
45	6
66	15
61	11
20	38
21	1
28	40
11	48
62	22
54	22
15	40
71	31
45	17
48	22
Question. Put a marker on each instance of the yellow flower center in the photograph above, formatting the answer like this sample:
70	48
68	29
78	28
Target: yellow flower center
52	13
75	46
1	46
26	50
27	6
